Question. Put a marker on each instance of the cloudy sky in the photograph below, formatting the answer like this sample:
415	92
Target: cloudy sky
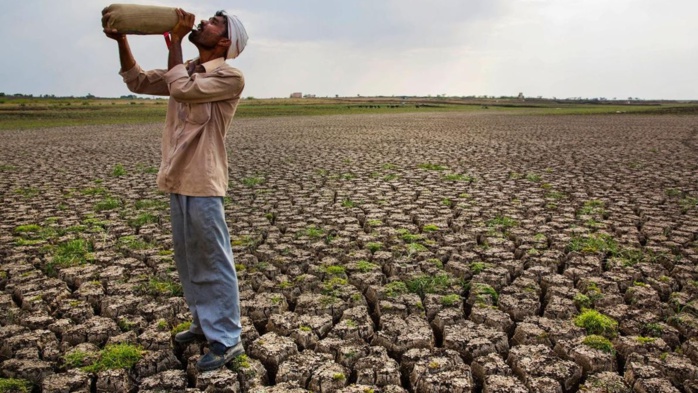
551	48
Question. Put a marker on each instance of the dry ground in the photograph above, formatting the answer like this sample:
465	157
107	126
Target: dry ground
439	252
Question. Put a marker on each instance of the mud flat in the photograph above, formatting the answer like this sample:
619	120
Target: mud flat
433	252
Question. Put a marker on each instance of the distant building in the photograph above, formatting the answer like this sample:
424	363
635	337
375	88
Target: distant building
309	96
521	97
297	95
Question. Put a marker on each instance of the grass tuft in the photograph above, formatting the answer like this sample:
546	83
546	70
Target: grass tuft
116	356
596	323
424	284
14	385
599	342
432	167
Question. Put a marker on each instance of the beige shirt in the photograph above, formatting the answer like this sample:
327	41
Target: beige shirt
199	113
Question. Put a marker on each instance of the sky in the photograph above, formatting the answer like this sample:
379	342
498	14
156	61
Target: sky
643	49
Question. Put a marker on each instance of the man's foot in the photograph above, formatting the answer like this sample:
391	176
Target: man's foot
218	355
187	336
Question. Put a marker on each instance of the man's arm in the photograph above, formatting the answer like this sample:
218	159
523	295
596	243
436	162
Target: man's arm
219	86
137	81
125	55
181	29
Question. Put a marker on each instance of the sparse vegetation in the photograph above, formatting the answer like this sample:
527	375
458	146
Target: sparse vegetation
432	167
395	288
252	181
107	203
374	246
335	213
450	300
594	243
14	385
118	170
116	356
599	342
502	222
456	177
161	287
421	285
596	323
70	253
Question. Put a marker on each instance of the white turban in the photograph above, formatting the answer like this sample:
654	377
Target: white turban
237	36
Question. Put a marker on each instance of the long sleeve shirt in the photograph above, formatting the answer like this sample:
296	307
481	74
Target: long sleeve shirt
199	113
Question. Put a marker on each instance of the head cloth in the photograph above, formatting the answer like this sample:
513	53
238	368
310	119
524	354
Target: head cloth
236	34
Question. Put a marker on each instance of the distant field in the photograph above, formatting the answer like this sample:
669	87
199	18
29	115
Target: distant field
29	113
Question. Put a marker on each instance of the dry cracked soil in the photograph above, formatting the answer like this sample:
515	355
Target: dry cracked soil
379	253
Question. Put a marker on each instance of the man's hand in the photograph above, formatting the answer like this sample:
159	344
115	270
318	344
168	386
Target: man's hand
184	25
115	35
111	33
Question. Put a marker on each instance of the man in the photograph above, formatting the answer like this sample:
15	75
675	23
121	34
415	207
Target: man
204	94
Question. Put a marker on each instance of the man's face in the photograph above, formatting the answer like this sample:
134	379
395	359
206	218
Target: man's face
207	33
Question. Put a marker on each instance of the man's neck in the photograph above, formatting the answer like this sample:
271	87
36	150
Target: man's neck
205	56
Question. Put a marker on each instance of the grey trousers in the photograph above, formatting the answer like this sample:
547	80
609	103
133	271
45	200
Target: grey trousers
205	265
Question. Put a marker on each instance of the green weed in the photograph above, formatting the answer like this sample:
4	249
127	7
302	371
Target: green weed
592	207
75	359
125	324
94	191
182	327
645	340
14	385
313	232
107	203
142	219
373	247
159	287
533	177
414	248
478	267
28	192
432	167
430	228
118	170
596	323
594	243
482	291
688	203
27	228
502	222
407	237
395	288
239	363
133	242
116	356
142	204
599	342
335	270
252	181
450	300
555	195
366	266
424	284
72	253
